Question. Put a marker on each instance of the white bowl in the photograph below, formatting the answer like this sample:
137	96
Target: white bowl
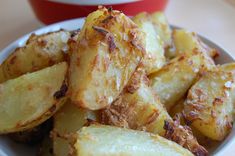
10	148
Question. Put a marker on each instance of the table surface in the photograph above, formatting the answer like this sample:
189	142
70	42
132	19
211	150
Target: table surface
213	19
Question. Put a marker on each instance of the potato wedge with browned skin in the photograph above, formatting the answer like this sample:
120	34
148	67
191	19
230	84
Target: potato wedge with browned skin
183	136
202	139
154	58
137	107
30	99
101	140
108	50
173	80
39	52
186	41
209	105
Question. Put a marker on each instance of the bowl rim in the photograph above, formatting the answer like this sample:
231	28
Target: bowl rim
76	23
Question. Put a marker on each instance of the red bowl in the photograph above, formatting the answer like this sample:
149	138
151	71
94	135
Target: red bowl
51	11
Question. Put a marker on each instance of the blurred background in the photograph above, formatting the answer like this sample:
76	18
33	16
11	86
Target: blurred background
215	19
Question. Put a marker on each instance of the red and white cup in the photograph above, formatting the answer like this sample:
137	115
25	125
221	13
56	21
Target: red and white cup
51	11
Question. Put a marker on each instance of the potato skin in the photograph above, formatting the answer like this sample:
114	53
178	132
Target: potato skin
30	99
114	141
107	52
209	105
39	52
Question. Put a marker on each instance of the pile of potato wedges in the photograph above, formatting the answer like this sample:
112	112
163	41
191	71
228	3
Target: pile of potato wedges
119	86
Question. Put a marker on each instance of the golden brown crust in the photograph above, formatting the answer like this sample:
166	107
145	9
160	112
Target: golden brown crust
122	112
62	92
40	51
116	114
137	107
183	136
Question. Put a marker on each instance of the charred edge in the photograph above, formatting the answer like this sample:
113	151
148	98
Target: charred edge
132	88
90	122
169	129
217	101
215	53
187	122
13	59
111	43
135	44
134	41
61	93
134	84
109	36
184	137
200	151
152	118
66	57
229	124
106	20
75	32
42	43
100	30
52	109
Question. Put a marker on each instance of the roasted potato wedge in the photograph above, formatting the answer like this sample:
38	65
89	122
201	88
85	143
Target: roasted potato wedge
39	52
69	119
209	106
137	107
108	50
100	140
202	139
173	80
30	99
186	41
154	58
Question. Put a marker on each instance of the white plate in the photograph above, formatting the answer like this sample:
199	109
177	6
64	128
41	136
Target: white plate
10	148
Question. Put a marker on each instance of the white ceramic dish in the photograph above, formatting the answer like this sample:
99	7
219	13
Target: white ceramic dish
9	148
